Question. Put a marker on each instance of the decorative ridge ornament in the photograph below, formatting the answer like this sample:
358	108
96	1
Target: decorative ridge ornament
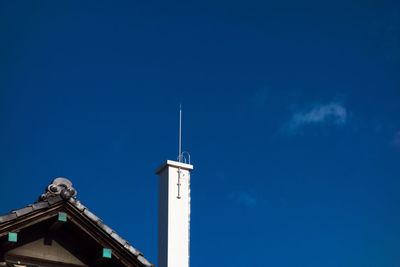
59	187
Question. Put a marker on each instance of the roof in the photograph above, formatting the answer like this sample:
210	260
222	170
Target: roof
61	194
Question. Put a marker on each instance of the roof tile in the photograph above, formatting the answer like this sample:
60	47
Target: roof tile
40	205
144	261
54	200
118	238
91	216
107	229
23	211
132	250
77	204
8	217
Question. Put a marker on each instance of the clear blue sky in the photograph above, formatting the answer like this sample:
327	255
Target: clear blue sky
291	115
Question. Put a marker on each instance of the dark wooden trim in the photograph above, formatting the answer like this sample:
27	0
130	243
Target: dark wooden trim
24	260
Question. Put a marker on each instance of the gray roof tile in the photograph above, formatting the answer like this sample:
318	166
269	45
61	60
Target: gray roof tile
107	229
8	217
23	211
144	261
133	250
118	238
77	204
91	216
53	200
40	205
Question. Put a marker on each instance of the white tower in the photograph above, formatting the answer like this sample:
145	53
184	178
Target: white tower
174	209
174	214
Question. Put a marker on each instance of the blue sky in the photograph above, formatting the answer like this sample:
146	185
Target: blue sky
291	115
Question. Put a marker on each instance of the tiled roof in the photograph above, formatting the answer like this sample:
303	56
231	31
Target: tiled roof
61	190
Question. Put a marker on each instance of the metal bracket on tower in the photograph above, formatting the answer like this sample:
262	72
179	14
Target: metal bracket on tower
179	183
184	157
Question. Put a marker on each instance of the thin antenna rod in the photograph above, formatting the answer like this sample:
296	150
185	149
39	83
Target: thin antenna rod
180	134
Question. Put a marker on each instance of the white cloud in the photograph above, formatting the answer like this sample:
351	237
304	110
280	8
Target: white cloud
334	113
245	198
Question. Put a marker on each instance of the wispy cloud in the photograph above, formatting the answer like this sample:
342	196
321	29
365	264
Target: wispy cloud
244	198
334	113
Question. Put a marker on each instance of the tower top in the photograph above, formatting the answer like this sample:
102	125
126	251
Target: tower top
171	163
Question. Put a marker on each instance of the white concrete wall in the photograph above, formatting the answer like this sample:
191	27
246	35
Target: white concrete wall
174	215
